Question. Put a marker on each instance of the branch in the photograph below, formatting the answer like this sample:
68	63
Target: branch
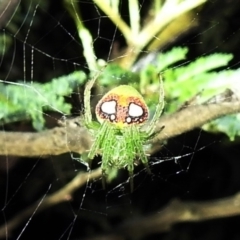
84	35
193	117
175	212
7	10
116	19
72	138
68	138
64	194
170	11
171	21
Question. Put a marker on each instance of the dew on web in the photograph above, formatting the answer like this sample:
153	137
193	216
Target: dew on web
53	191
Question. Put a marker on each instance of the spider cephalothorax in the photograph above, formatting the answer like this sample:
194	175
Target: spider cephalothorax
123	129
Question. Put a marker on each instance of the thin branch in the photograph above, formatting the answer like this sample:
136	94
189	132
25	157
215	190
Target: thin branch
114	5
134	14
171	20
84	35
72	138
176	212
7	11
193	117
64	194
116	19
168	13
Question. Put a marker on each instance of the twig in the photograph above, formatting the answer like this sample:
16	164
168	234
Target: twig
176	212
116	19
84	35
134	15
168	13
7	10
72	138
64	194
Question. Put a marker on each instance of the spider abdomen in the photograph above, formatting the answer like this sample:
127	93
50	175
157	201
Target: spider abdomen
122	106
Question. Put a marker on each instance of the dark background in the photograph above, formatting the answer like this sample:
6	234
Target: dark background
206	174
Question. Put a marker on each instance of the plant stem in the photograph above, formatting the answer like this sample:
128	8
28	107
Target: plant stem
168	13
157	4
84	35
116	19
115	5
134	16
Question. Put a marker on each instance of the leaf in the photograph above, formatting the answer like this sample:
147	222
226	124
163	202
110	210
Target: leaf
183	83
230	125
24	101
114	75
201	65
165	60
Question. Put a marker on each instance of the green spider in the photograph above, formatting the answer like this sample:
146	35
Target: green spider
123	129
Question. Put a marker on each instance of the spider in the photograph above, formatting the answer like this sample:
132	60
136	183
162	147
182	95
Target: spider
123	128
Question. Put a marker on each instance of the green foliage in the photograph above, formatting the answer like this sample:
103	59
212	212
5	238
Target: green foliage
182	83
114	75
28	101
190	79
229	125
183	80
5	42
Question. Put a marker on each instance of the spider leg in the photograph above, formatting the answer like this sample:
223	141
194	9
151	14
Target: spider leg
147	168
87	96
139	149
97	145
103	179
130	169
159	109
154	134
104	142
135	149
131	182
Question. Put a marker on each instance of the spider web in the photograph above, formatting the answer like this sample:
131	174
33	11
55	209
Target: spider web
39	43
